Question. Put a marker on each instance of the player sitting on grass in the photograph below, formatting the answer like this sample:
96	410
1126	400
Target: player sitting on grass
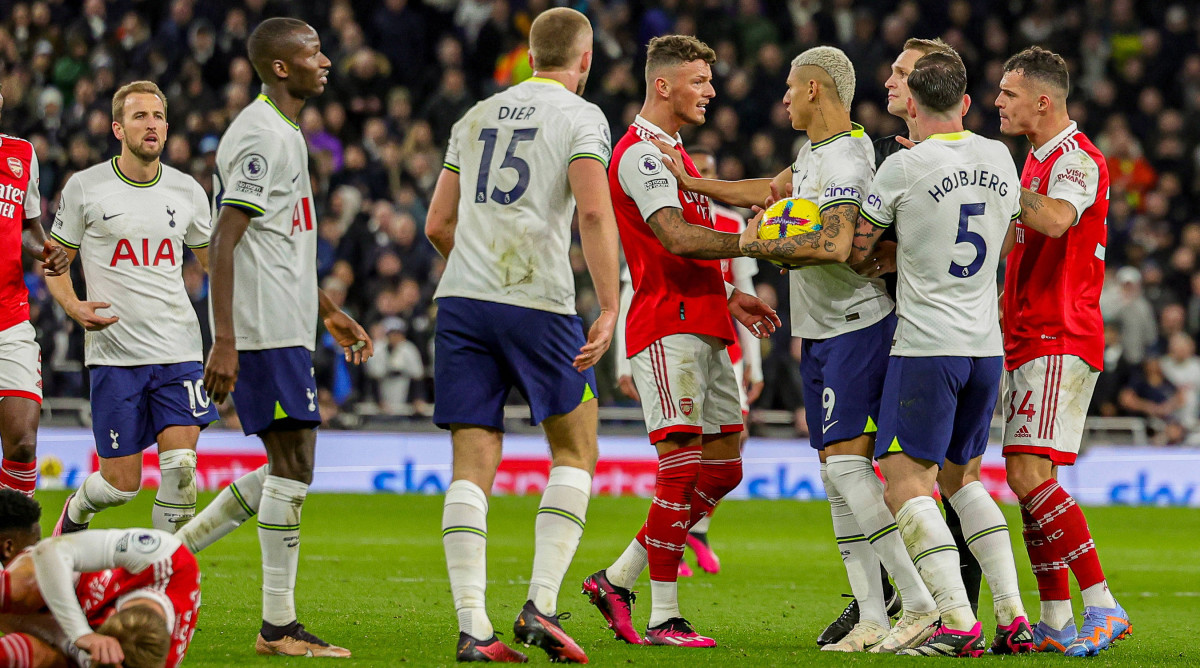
118	596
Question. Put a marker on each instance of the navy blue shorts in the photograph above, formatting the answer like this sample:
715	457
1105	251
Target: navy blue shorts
132	404
843	381
484	349
276	390
938	408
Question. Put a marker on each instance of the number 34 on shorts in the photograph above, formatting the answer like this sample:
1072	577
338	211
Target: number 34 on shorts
1045	404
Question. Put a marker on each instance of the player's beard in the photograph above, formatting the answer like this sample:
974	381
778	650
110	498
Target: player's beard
145	155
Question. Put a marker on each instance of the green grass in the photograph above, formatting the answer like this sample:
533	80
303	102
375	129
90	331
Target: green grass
373	579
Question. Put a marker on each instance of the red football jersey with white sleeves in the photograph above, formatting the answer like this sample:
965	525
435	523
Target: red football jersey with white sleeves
19	200
672	294
1052	286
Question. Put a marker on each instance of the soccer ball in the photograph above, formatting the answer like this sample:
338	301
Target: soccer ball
788	218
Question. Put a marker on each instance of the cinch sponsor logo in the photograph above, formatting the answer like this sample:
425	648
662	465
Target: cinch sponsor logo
127	251
1141	491
841	191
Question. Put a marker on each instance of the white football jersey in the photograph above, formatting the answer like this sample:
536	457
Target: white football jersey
832	299
262	168
511	152
952	198
130	237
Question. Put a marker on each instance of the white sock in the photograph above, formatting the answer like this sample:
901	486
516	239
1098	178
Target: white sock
862	566
464	538
931	546
1057	614
175	503
559	526
628	567
986	531
701	525
1098	596
279	538
234	505
664	601
94	495
854	477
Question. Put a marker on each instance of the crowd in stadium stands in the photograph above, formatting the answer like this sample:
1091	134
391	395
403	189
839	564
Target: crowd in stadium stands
404	71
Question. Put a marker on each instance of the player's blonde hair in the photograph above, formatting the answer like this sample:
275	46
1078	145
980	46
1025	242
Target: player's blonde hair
553	38
836	65
143	635
927	46
118	108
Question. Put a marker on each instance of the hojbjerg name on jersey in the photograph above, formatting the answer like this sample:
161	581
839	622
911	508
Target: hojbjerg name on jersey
962	178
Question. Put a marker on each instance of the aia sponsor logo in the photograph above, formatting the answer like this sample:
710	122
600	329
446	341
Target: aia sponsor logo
137	252
302	216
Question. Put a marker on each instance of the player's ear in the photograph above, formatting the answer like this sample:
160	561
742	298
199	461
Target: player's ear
966	105
813	88
280	68
118	131
585	62
910	105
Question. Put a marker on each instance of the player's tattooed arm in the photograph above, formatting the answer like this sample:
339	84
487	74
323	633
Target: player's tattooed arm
828	245
682	238
1052	217
866	238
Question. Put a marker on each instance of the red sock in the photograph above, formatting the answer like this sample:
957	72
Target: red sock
670	512
16	651
1066	531
20	476
1054	581
718	477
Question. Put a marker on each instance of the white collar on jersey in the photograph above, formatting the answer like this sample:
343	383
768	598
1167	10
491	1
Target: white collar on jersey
1044	152
656	131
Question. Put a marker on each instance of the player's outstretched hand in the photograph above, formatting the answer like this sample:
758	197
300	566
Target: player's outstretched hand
881	261
221	372
351	336
599	338
749	233
55	259
85	314
754	313
103	649
673	160
754	391
628	388
905	141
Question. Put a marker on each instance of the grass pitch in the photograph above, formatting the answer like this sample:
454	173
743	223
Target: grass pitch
373	579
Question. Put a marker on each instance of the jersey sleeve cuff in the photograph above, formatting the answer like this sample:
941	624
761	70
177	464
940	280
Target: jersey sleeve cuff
838	202
64	242
252	209
450	167
195	246
593	156
872	220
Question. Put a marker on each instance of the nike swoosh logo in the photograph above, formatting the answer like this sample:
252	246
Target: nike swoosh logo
113	216
200	414
827	427
295	177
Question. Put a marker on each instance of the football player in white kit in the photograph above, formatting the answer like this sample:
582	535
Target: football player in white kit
130	219
265	305
952	199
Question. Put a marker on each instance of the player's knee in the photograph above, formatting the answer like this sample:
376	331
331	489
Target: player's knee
22	449
1023	479
124	479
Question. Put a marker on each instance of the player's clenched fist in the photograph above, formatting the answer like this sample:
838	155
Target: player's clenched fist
55	258
221	372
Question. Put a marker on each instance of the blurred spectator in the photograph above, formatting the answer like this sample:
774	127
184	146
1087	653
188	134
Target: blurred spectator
1132	313
395	365
1181	367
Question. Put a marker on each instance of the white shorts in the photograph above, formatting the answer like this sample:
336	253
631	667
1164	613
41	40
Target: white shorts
687	385
739	375
1044	405
20	363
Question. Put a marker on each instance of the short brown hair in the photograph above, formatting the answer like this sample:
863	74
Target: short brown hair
1043	65
938	81
118	109
143	635
927	46
674	50
553	35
